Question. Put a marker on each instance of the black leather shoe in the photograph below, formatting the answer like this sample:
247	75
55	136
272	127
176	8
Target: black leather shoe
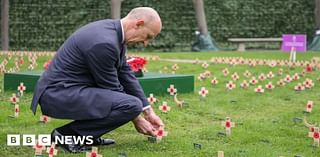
72	148
101	141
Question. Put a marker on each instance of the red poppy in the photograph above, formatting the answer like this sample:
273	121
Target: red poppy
308	68
136	63
46	64
21	61
316	135
228	125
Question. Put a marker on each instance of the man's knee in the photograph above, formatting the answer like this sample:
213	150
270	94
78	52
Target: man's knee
130	105
136	105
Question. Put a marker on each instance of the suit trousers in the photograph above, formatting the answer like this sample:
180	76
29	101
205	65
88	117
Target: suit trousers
120	114
119	109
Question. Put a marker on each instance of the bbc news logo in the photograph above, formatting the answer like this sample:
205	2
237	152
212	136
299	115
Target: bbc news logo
45	140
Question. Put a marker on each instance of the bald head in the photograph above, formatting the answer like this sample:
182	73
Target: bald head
141	25
149	15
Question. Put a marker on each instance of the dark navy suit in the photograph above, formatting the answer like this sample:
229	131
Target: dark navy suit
90	82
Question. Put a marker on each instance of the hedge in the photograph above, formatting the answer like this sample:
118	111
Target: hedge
45	24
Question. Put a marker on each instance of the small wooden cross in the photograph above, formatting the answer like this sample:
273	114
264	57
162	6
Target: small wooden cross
51	150
175	67
38	148
230	85
30	67
160	134
205	65
152	99
16	110
235	76
253	81
308	68
309	106
288	78
44	119
225	72
269	86
164	107
228	125
14	99
5	62
247	74
203	92
316	136
262	77
244	84
214	81
299	87
21	61
21	88
270	75
93	153
259	89
172	90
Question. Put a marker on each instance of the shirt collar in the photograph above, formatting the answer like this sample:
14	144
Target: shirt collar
122	32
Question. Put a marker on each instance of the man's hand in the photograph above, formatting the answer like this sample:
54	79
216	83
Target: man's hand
152	118
143	126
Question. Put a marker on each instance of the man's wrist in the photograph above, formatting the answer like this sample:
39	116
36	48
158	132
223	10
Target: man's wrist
146	107
148	111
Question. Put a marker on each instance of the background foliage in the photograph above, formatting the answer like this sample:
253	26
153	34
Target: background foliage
45	24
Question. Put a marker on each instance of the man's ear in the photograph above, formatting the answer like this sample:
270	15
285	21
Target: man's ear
140	23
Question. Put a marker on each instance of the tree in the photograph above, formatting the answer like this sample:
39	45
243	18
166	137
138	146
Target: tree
203	42
200	16
317	14
116	9
315	44
5	25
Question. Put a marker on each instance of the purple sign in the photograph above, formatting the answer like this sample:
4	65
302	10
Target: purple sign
294	41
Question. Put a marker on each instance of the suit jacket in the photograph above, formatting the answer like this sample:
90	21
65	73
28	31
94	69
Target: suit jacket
92	58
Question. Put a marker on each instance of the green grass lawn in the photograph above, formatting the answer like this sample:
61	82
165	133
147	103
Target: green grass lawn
264	122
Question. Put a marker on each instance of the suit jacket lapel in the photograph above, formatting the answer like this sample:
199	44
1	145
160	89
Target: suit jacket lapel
122	54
